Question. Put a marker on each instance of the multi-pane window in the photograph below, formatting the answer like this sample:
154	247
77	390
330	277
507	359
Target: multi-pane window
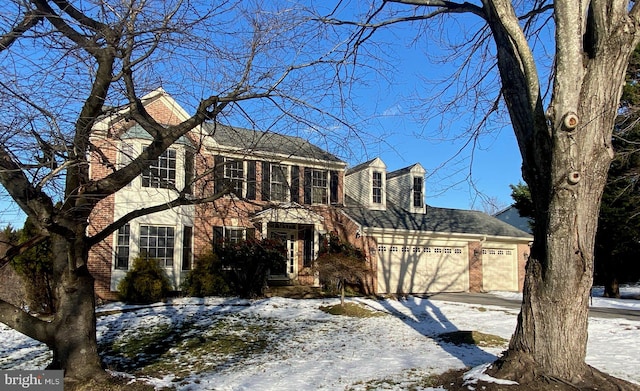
377	187
279	188
161	174
417	192
234	175
234	235
122	247
319	189
157	243
222	235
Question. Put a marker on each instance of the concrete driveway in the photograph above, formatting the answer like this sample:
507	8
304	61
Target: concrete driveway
488	299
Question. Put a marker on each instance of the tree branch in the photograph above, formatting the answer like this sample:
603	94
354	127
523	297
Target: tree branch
24	323
181	200
31	18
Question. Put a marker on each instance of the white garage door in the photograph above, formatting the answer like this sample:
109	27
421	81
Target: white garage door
499	270
404	269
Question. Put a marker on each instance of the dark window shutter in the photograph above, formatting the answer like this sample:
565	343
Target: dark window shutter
295	184
218	173
188	172
250	234
251	180
333	187
218	238
266	181
187	250
307	185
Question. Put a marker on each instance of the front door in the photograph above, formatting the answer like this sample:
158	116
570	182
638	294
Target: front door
289	239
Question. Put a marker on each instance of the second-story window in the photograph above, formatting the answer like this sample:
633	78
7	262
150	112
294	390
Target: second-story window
417	192
319	190
234	174
377	187
161	174
279	188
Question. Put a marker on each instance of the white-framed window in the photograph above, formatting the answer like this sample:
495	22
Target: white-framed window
222	235
122	247
234	175
161	174
157	242
319	187
278	183
417	192
377	187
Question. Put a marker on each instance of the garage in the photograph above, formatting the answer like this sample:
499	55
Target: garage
422	269
499	271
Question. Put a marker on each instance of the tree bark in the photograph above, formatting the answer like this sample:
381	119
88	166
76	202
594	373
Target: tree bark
566	154
73	340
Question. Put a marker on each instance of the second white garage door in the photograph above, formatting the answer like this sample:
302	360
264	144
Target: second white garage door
499	270
427	269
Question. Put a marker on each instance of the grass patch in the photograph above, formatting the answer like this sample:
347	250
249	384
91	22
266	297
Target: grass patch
410	380
464	337
113	384
184	348
351	309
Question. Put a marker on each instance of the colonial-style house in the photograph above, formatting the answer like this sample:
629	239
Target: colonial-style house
284	187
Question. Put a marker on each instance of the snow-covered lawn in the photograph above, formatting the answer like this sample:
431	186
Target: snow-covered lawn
287	344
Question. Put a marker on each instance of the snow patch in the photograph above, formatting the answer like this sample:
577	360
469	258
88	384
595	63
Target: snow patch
476	374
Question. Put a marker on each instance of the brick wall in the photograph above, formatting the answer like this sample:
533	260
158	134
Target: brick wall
101	255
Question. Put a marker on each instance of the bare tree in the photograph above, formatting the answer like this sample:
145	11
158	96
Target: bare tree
564	139
65	65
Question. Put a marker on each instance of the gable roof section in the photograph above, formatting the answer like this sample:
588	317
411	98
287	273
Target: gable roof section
511	216
370	163
253	140
404	171
441	220
138	132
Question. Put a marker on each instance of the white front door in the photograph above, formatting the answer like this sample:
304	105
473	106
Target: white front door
289	239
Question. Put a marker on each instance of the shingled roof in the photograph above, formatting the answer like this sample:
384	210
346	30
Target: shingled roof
253	140
434	220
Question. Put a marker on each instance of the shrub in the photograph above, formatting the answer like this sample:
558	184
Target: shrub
248	264
144	283
340	263
35	268
207	278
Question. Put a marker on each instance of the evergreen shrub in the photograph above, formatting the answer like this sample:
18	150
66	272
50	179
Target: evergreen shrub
146	282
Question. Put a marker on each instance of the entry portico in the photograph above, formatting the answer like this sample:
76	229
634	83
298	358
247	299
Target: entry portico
300	230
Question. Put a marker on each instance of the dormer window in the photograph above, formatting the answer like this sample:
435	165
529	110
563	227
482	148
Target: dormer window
377	187
417	192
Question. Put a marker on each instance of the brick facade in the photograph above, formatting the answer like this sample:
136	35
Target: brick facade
230	211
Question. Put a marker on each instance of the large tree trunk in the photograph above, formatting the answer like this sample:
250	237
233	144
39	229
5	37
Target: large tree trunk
73	331
566	152
73	339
